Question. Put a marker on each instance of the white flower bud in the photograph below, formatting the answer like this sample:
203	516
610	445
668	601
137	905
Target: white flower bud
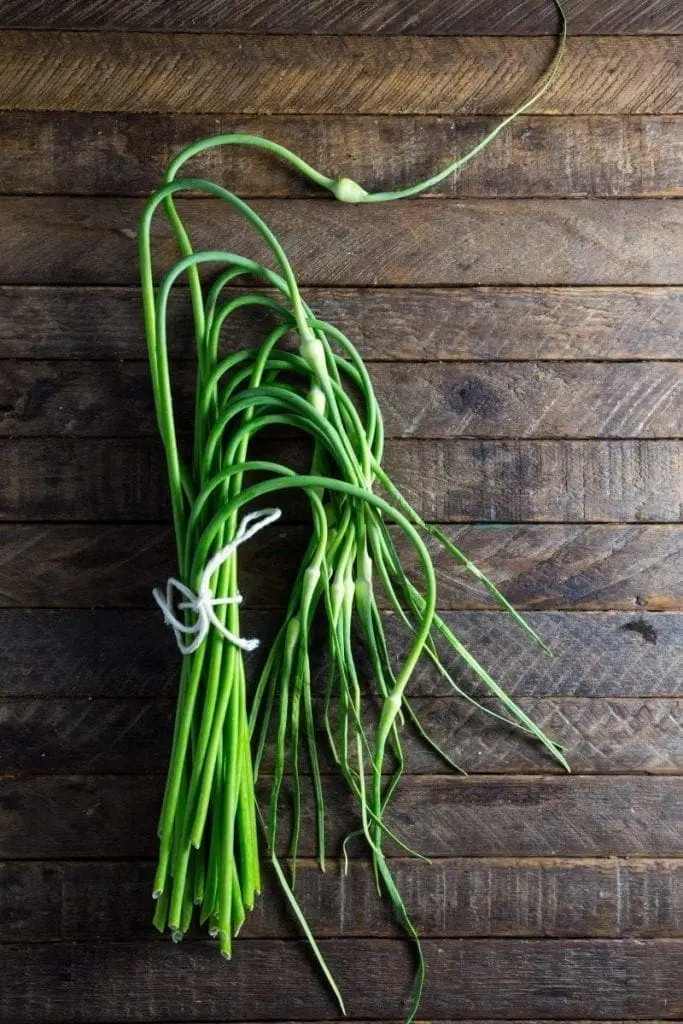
348	191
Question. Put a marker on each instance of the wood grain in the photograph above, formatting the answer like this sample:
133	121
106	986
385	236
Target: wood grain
603	323
471	16
334	75
483	897
441	1021
572	399
449	481
429	401
589	567
624	977
115	816
592	568
605	736
87	654
523	326
594	654
62	240
71	153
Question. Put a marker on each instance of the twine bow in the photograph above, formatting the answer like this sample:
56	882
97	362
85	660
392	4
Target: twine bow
204	602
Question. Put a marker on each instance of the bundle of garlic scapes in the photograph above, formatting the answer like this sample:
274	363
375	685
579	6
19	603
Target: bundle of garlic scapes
213	827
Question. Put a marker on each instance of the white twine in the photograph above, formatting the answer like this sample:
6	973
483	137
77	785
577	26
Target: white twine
203	602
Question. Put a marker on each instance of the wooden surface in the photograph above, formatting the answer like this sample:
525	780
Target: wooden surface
469	17
567	242
188	73
522	326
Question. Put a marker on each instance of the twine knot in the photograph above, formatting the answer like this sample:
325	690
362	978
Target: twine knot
204	602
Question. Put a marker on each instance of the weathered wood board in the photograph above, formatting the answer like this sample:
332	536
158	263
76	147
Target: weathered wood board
484	17
522	324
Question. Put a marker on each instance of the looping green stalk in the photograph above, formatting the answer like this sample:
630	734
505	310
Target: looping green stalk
231	731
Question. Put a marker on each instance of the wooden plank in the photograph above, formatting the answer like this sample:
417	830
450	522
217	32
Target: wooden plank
449	481
440	1021
57	240
484	897
532	400
62	240
129	654
601	736
599	978
440	18
594	654
385	324
606	736
195	73
511	481
117	481
114	565
45	152
105	816
591	568
418	400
